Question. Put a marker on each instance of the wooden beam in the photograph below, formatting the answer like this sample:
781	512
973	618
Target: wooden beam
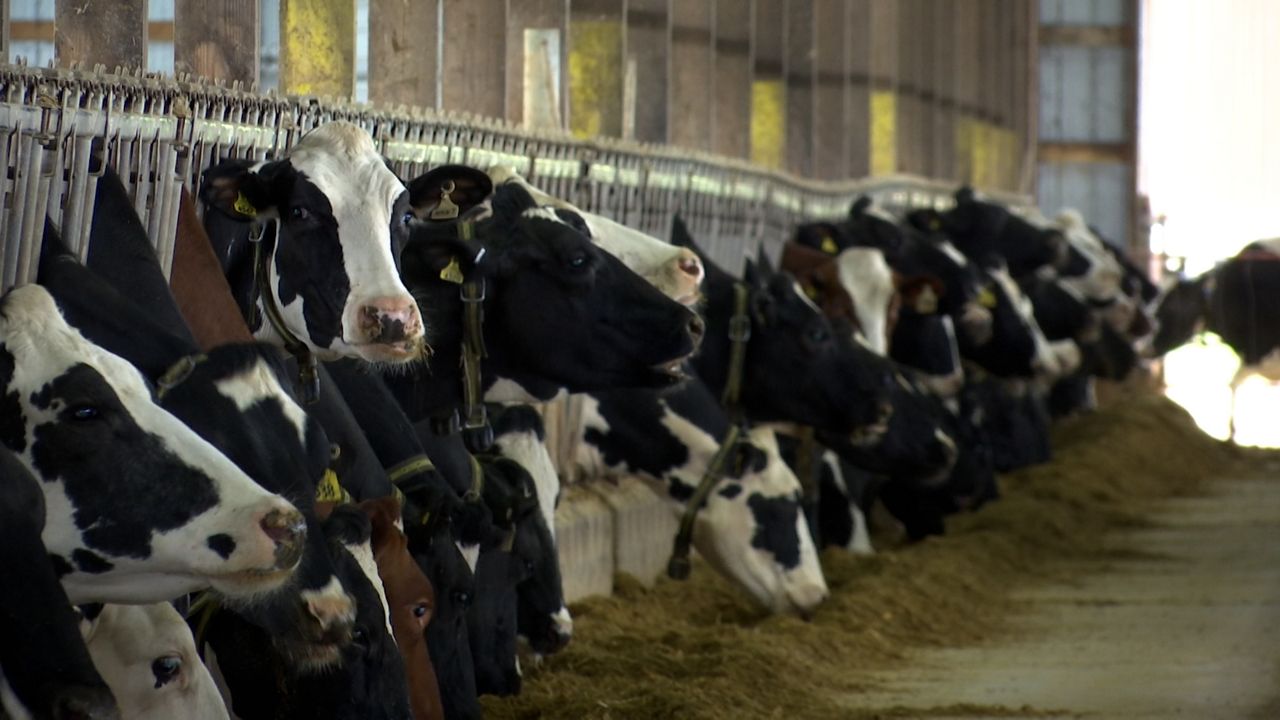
857	88
541	58
1086	153
4	30
474	59
597	49
402	52
645	70
733	73
800	76
214	38
43	30
113	34
317	47
692	79
1087	35
830	161
769	84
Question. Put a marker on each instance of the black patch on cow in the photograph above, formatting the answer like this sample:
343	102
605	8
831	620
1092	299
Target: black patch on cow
730	491
110	450
679	491
309	258
61	567
91	611
776	528
516	419
13	431
573	220
90	562
636	437
222	544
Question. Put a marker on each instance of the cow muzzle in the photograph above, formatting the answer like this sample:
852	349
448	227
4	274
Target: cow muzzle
686	274
389	329
287	530
976	323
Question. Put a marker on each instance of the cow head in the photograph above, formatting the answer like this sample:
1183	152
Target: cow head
148	658
434	550
964	294
334	217
675	271
925	339
598	323
1181	314
84	422
980	228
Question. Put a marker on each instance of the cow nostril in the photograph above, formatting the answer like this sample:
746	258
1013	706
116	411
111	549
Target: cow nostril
287	529
690	265
697	328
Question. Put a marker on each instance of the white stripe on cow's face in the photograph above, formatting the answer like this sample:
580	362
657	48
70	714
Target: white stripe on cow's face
952	253
676	272
532	454
181	559
876	211
363	553
257	384
1046	361
342	161
866	276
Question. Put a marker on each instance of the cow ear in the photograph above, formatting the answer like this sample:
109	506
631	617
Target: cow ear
238	191
964	195
859	206
448	191
680	235
348	524
764	266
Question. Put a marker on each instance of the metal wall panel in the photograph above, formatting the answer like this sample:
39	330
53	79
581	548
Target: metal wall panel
1084	94
1101	191
1083	12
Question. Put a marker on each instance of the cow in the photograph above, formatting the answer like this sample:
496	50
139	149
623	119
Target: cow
148	659
855	286
834	501
328	220
85	423
676	272
752	529
45	669
980	228
366	680
599	325
1230	300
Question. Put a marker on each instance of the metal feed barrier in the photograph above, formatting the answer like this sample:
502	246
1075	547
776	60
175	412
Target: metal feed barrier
161	133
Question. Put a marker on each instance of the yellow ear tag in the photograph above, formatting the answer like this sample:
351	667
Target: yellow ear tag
445	209
829	246
244	207
987	297
811	291
452	272
329	490
926	301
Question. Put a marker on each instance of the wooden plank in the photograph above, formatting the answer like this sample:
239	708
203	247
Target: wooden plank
43	30
800	73
1087	35
597	46
536	49
944	90
403	37
4	30
474	57
215	38
830	159
692	81
768	85
317	47
883	135
646	70
857	89
113	34
733	73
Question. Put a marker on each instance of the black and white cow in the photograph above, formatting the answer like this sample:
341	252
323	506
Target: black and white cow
84	422
45	670
333	217
980	228
752	528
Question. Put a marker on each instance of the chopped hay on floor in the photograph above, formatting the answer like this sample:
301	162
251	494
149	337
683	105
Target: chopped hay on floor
700	650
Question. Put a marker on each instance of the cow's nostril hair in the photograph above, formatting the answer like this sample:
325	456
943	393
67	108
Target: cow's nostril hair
389	321
288	530
690	265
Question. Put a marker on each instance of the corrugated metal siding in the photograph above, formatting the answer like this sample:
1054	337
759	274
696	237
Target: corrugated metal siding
1102	191
1084	94
1082	12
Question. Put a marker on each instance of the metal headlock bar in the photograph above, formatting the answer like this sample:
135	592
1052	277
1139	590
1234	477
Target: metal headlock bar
160	133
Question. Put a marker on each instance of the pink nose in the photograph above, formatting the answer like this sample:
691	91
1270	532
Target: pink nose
689	264
390	320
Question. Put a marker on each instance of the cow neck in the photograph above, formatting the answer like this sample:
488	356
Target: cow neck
264	242
472	420
678	567
178	374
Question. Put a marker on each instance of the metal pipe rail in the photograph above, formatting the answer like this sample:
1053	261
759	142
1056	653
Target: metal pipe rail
161	133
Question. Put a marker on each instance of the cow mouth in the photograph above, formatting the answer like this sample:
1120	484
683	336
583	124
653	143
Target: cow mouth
250	582
690	300
671	372
310	657
401	351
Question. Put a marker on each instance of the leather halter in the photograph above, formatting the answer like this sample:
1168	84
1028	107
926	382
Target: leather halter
308	371
178	373
678	567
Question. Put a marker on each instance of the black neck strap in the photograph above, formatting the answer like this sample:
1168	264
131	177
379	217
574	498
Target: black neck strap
308	372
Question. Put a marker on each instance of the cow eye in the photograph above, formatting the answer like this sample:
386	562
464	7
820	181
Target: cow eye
406	218
359	636
165	669
818	335
300	213
420	610
462	597
85	412
578	262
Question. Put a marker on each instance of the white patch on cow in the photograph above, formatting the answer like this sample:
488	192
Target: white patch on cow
952	253
10	706
505	390
330	603
1101	282
125	640
343	162
1046	361
675	271
867	278
876	211
860	541
257	384
532	454
363	553
804	297
470	554
45	347
563	621
948	385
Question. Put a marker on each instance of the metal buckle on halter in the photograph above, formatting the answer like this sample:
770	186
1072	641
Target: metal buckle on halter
477	433
740	328
467	298
257	230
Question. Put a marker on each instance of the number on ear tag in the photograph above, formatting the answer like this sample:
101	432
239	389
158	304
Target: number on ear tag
330	490
452	272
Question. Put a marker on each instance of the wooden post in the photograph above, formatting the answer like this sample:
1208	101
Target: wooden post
857	95
114	33
216	39
768	85
597	48
4	30
908	50
537	50
645	70
474	59
692	82
830	161
942	81
800	64
317	47
402	52
733	78
883	23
